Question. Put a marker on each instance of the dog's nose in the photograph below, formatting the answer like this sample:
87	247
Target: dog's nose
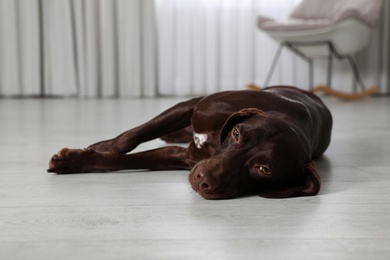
199	176
204	185
202	181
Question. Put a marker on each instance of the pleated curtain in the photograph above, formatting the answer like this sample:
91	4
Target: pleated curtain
87	48
145	48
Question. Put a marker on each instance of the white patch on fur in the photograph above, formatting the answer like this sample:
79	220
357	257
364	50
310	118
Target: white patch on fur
199	139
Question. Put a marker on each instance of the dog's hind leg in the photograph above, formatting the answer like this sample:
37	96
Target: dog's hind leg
184	135
173	119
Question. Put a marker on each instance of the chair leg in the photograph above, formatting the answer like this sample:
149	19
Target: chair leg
311	78
356	73
329	72
273	65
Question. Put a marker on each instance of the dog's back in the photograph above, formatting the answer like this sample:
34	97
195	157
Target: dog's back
320	121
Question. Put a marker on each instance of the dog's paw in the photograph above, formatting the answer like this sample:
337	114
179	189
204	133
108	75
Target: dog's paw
73	161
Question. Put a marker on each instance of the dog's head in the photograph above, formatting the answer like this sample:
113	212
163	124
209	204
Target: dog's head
260	153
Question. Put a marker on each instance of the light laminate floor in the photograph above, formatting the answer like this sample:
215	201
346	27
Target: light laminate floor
156	215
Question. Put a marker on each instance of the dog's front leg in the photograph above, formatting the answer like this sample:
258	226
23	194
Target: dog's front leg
80	161
171	120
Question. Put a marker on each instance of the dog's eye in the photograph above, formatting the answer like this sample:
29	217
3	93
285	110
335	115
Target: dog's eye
236	134
264	170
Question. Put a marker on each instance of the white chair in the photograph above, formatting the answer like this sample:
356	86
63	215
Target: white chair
325	28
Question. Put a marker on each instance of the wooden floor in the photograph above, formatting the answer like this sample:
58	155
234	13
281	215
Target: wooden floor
156	215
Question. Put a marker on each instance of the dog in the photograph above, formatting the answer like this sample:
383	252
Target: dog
242	142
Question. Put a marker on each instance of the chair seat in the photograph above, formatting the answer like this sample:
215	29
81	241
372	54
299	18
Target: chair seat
348	36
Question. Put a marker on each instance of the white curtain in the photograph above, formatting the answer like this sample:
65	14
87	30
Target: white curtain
206	46
77	47
112	48
19	48
374	61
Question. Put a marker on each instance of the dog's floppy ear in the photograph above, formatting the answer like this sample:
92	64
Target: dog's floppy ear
308	186
236	118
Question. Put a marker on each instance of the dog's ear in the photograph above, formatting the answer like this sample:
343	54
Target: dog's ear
236	118
309	185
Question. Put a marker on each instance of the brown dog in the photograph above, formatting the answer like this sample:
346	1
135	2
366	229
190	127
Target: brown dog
244	142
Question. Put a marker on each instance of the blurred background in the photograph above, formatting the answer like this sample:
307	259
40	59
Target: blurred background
149	48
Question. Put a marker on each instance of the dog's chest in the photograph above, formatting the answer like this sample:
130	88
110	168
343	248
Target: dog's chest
200	139
207	131
207	125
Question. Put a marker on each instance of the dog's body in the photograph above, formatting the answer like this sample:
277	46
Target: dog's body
243	142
